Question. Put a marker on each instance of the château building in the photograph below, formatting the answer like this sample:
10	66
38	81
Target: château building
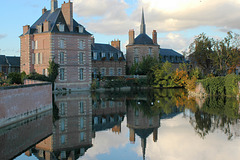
142	45
57	36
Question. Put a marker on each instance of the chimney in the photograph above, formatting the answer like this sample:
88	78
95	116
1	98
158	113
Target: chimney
116	44
154	36
131	36
44	10
155	135
54	5
25	29
132	136
46	26
92	40
67	10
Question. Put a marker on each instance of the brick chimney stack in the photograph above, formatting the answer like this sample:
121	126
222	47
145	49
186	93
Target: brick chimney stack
44	10
25	29
131	36
132	136
67	10
54	5
154	36
93	40
116	44
46	26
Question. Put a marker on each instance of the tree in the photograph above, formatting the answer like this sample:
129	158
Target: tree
201	51
52	71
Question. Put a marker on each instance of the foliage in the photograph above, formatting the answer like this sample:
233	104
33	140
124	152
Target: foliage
221	85
52	71
14	77
36	76
191	83
215	56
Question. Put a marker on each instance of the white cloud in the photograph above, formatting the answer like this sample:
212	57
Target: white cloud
165	16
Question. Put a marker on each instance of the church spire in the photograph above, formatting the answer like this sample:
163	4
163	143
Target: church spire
143	26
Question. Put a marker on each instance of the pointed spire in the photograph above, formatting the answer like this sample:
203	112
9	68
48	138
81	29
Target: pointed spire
143	26
143	144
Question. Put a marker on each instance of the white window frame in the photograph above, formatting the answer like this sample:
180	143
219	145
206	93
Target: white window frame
33	45
36	45
103	54
81	74
150	51
94	55
61	43
81	59
81	44
61	27
62	74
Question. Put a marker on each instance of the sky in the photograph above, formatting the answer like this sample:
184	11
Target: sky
176	21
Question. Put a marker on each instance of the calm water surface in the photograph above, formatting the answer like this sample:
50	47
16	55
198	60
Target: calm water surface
149	124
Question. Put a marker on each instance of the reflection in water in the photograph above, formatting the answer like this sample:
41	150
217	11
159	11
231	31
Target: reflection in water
79	116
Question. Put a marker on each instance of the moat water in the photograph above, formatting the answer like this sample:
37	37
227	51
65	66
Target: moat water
148	124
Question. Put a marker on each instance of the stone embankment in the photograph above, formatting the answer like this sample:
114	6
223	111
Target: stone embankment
24	101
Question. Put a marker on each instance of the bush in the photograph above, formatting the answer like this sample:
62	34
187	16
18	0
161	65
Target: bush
14	77
36	76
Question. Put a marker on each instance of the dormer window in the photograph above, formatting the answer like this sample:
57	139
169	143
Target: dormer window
111	55
80	29
95	55
103	55
119	55
61	27
40	28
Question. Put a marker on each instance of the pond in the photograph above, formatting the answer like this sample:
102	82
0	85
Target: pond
143	124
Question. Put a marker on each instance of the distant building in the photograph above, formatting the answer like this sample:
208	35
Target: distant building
108	60
57	36
9	64
171	56
142	45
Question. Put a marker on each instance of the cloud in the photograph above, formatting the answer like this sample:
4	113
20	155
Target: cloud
112	16
2	36
177	141
174	41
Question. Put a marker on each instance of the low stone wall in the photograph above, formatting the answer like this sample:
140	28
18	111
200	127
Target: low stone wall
20	102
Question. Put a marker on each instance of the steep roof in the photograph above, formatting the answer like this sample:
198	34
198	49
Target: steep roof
169	52
3	60
55	18
13	61
143	39
106	48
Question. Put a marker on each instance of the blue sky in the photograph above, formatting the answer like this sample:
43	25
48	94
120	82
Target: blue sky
177	22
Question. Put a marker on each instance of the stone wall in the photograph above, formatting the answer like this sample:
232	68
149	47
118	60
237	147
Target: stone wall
20	102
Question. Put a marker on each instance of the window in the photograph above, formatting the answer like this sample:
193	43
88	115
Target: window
62	139
63	154
33	58
136	59
95	73
61	73
37	58
111	71
61	27
61	43
82	136
136	113
135	51
36	45
62	108
62	125
103	55
43	72
81	107
81	58
150	51
103	71
40	58
81	74
95	120
33	45
150	122
119	55
81	44
61	57
94	55
119	71
111	55
80	29
81	123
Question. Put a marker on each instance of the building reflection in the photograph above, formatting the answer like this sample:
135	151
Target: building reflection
16	138
108	112
142	125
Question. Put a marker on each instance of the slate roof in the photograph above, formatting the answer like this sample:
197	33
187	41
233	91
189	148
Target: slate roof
3	60
107	49
143	39
13	61
171	56
55	18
